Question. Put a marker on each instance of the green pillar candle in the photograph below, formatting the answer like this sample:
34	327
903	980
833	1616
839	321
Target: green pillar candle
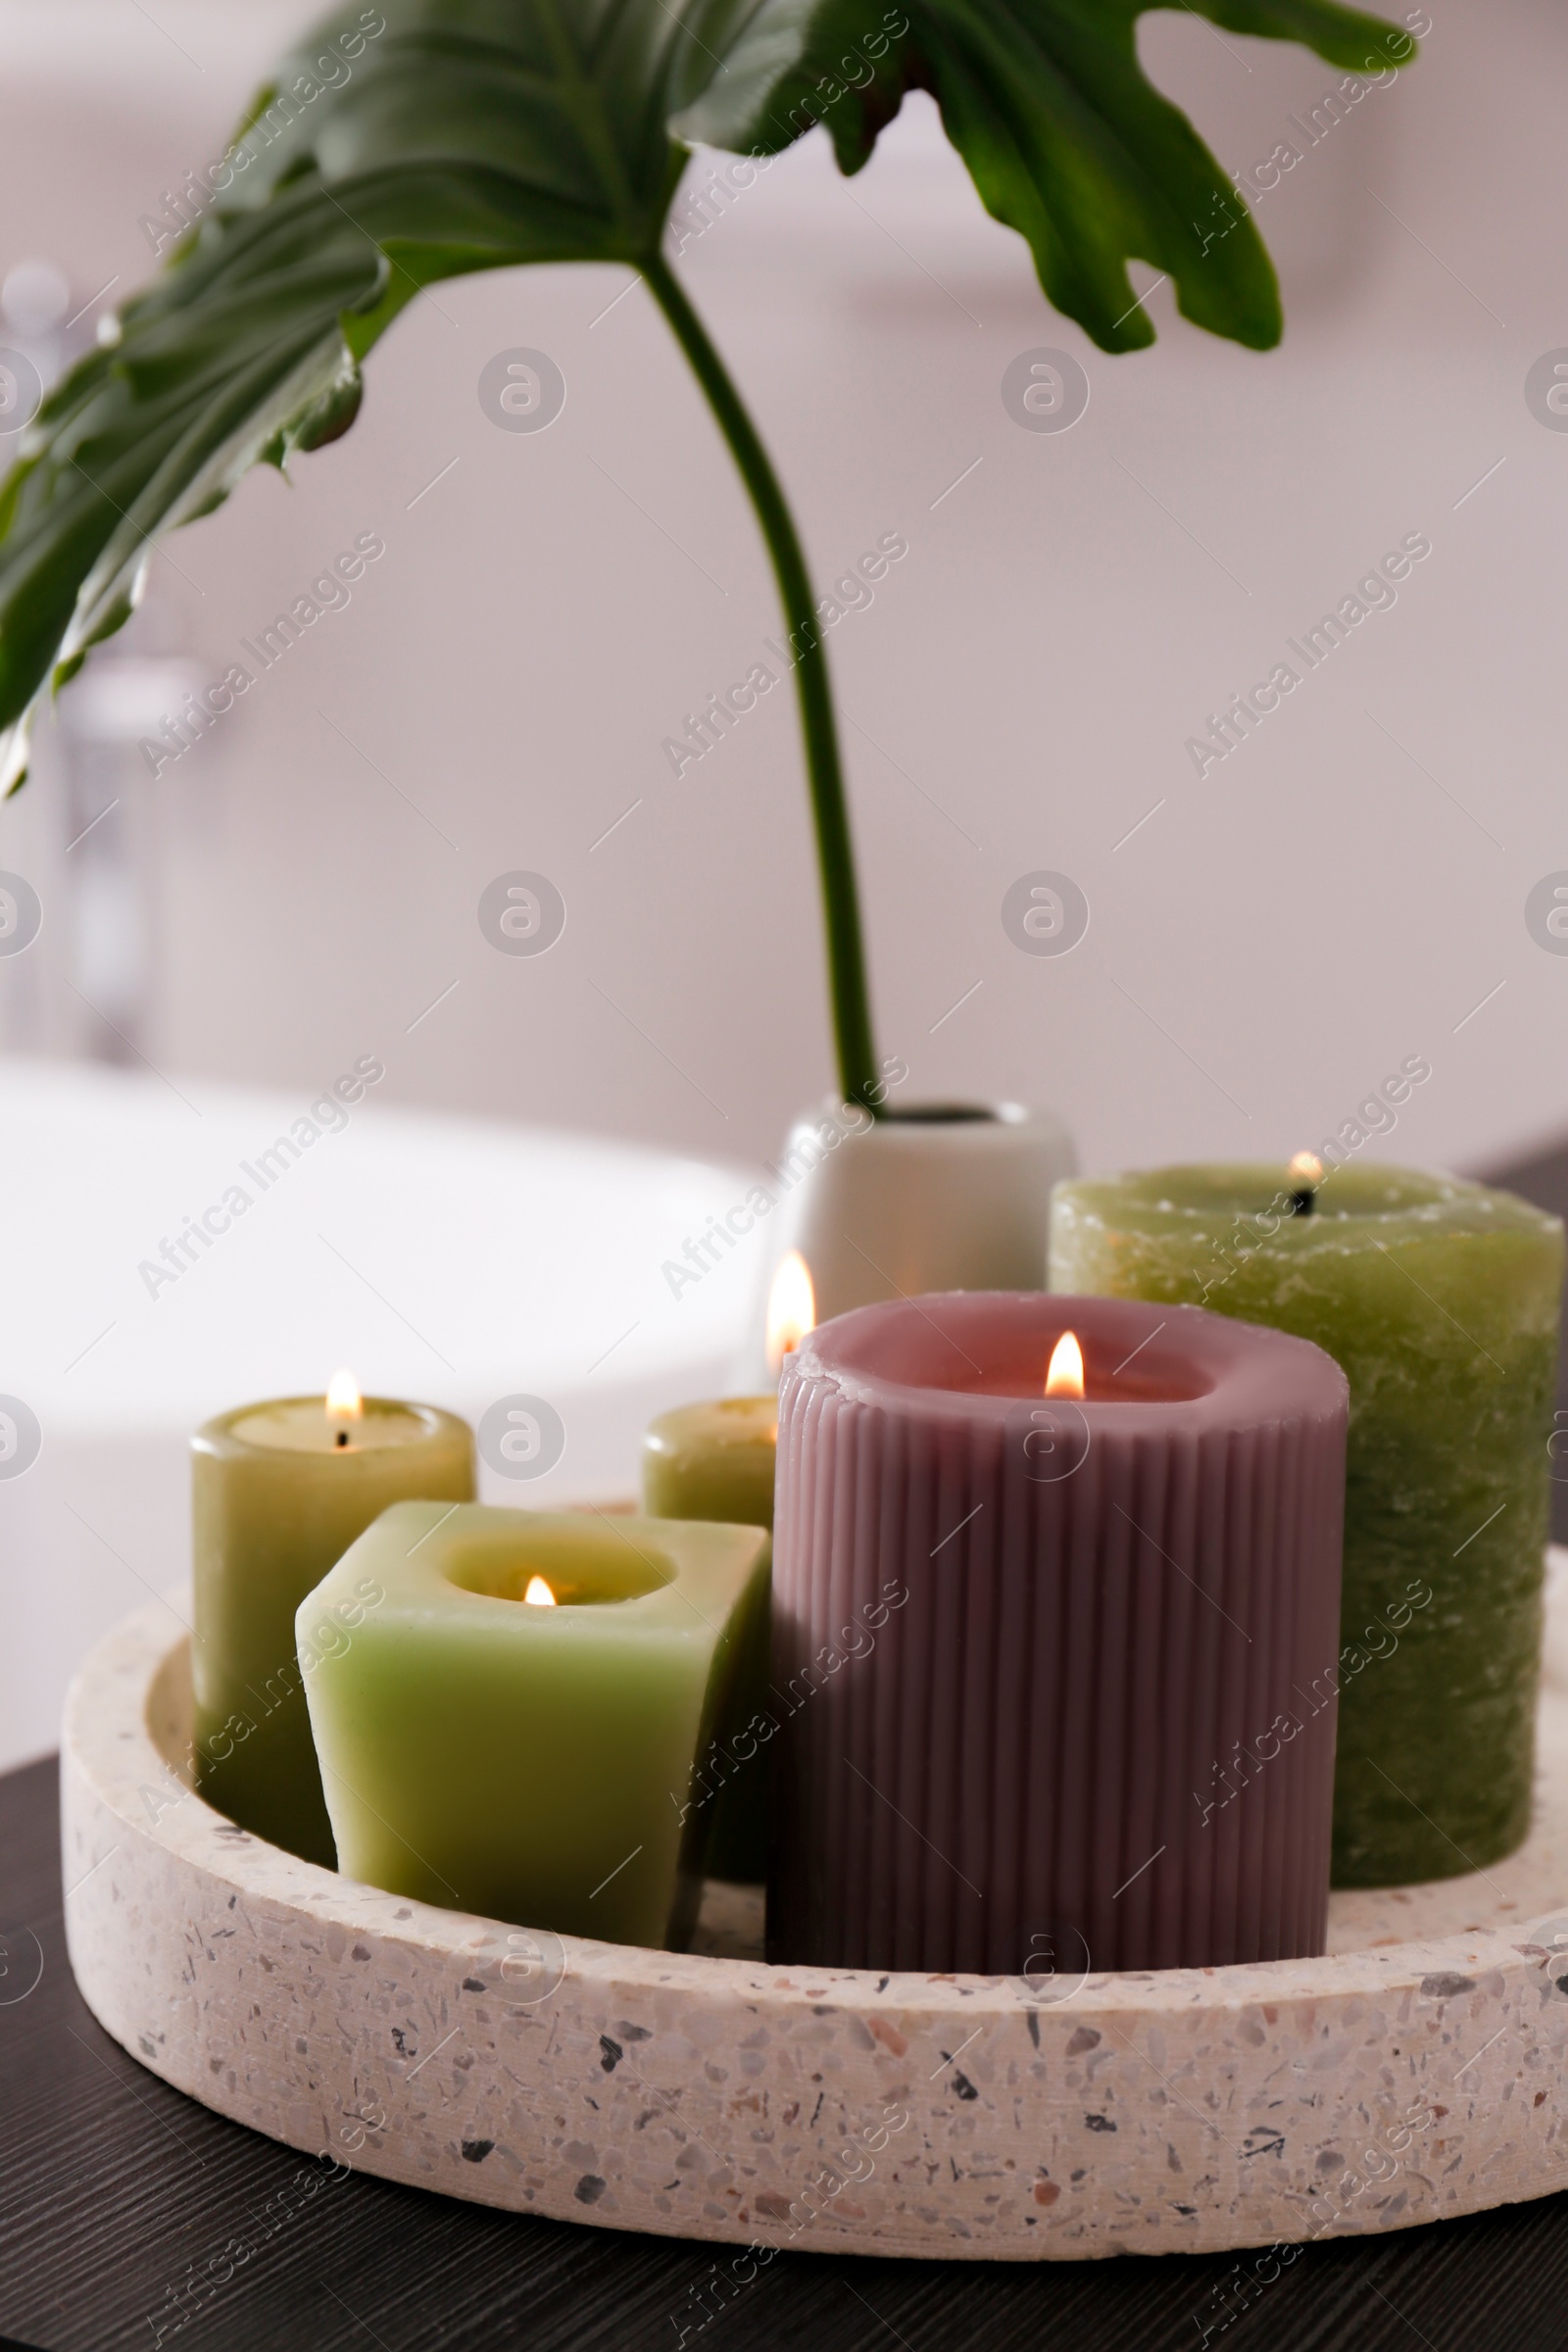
713	1461
716	1461
279	1492
508	1706
1439	1300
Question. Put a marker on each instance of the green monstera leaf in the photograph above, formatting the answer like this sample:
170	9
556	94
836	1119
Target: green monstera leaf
419	139
1066	139
398	145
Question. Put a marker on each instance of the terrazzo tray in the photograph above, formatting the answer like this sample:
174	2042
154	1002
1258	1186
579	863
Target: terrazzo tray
1415	2073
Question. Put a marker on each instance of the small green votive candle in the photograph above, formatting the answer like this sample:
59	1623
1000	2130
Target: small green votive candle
1439	1301
508	1706
713	1461
716	1461
279	1491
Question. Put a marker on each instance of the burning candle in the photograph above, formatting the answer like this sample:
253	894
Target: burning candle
1064	1374
508	1706
716	1461
1439	1299
280	1491
791	1309
1056	1664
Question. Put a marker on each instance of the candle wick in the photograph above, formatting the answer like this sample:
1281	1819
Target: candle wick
1304	1201
342	1436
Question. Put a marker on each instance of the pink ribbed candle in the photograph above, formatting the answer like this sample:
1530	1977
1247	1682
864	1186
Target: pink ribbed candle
1058	1677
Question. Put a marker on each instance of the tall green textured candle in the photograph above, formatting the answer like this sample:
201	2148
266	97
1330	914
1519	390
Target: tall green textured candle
1439	1300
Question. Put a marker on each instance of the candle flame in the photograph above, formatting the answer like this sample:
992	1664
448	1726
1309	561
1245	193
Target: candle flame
1065	1375
791	1309
343	1399
1305	1168
539	1594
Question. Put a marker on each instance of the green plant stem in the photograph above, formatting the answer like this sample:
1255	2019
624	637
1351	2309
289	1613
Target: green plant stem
841	905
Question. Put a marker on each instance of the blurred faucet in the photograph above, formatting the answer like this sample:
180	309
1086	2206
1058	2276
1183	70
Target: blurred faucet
85	832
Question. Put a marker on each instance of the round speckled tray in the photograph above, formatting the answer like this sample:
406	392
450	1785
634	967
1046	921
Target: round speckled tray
1415	2073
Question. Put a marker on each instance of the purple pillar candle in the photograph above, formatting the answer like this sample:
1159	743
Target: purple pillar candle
1058	1675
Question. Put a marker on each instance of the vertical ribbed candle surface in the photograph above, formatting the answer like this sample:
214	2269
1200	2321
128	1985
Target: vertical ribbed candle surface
1059	1677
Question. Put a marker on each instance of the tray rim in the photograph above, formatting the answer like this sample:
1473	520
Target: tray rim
132	1831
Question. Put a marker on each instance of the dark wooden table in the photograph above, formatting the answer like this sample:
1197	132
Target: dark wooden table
115	2189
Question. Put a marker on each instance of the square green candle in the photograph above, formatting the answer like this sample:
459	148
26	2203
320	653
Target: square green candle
1439	1300
717	1460
508	1704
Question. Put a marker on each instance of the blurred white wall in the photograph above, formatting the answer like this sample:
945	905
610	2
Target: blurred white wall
1337	894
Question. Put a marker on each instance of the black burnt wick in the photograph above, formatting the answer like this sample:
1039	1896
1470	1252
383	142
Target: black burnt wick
1304	1201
